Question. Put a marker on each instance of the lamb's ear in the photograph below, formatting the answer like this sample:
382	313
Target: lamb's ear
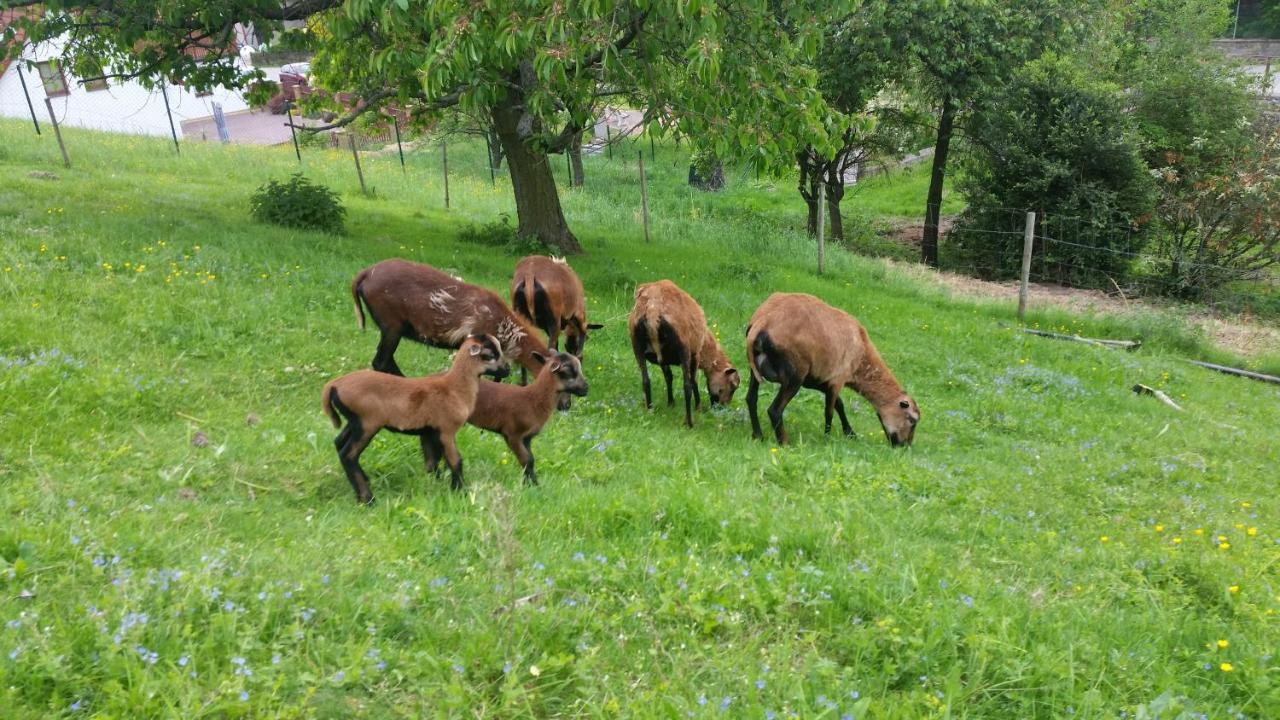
732	375
475	349
594	326
538	356
555	366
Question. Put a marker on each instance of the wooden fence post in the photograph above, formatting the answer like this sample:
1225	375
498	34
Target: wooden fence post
351	140
1028	240
822	223
57	132
644	198
444	156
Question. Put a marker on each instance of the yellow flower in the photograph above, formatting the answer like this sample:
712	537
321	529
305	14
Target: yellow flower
1252	532
1104	538
773	450
1246	505
1222	538
1224	546
1234	589
1226	667
1239	526
1222	644
1177	541
1199	531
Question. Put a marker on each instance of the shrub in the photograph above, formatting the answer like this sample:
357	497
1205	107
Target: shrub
500	234
1219	225
1057	143
298	203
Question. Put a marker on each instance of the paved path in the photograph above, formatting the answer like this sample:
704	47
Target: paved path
250	127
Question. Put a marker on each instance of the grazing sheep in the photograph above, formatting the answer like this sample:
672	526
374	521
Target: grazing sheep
549	294
519	412
667	327
417	301
797	341
432	407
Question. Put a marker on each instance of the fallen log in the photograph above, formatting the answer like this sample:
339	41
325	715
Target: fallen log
1125	344
1236	371
1158	394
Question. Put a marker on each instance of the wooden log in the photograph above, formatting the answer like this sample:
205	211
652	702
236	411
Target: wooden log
1157	394
1236	371
1126	344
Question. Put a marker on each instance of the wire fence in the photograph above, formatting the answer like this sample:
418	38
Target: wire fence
1117	260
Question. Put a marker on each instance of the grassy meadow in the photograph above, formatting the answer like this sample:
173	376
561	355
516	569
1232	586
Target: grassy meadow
178	538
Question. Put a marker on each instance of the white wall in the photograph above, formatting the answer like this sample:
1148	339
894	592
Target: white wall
125	107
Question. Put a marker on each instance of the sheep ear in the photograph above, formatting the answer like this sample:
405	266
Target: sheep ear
539	357
594	326
733	373
555	366
475	349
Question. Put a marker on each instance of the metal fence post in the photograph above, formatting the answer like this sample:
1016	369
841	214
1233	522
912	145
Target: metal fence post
822	223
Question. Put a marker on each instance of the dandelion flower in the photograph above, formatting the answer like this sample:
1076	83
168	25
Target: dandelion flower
1177	541
1222	644
1224	546
1159	528
1104	539
1252	532
1234	589
1226	667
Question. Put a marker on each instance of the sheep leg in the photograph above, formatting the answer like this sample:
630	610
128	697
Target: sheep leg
697	394
431	450
844	419
384	360
690	387
671	395
753	396
524	455
349	455
785	395
553	336
833	396
454	460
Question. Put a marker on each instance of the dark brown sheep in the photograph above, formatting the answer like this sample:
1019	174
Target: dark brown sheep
667	327
432	407
419	302
519	412
797	341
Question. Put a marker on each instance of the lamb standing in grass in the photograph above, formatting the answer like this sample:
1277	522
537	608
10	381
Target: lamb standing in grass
667	327
432	407
796	340
518	412
549	294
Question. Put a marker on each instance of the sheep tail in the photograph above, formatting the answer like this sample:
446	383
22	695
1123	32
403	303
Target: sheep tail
355	296
327	398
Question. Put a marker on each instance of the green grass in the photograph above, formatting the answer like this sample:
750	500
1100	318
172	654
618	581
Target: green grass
1048	547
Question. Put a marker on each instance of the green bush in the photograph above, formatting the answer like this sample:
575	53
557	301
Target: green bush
1058	143
501	234
298	203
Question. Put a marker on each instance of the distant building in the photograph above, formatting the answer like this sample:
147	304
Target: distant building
110	105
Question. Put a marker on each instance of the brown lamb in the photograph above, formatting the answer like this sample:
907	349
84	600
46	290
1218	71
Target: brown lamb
796	340
432	407
419	302
519	412
549	294
667	327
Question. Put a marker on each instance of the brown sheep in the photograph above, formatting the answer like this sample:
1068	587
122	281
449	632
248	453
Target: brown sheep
519	412
432	407
667	327
419	302
797	341
549	294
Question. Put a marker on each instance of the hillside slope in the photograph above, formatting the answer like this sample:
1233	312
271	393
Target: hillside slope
180	540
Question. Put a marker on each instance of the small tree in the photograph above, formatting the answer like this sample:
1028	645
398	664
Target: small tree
1056	143
1220	225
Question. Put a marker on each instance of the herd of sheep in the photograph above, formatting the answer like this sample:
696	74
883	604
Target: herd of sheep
794	340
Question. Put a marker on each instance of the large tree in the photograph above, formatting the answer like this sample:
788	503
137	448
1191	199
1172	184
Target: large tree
729	71
957	49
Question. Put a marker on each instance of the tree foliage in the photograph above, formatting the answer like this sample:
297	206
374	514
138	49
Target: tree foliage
1063	146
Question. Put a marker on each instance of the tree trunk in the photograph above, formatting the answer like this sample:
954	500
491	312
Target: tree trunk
808	185
575	159
933	206
537	200
495	147
835	193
